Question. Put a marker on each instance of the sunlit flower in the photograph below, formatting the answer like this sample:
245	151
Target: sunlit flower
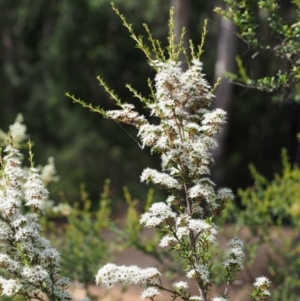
156	214
150	292
110	275
181	285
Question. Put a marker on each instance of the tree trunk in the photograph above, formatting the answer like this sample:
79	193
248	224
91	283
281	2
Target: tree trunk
226	51
181	20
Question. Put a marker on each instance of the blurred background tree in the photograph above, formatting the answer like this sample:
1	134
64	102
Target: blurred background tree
50	47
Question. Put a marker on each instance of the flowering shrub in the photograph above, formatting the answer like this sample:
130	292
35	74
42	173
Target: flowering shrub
83	227
267	206
184	136
29	258
17	131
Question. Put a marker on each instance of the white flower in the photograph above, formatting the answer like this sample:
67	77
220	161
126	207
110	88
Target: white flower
19	233
201	271
150	292
150	275
201	227
170	200
10	264
63	209
204	190
63	283
262	284
110	275
157	213
198	225
192	274
225	193
127	115
13	168
218	299
235	254
180	285
18	131
262	281
157	177
182	231
9	287
167	241
35	191
216	116
35	274
48	172
196	298
150	134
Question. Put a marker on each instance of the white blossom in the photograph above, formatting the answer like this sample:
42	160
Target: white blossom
11	265
199	271
48	172
110	275
170	200
203	272
157	213
218	299
62	209
192	274
150	292
196	298
157	177
167	241
203	228
198	225
261	281
263	284
203	190
150	134
182	231
18	131
216	116
35	274
9	287
20	240
127	115
235	254
225	193
181	285
35	191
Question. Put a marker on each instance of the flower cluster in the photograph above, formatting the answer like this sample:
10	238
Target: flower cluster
235	255
261	288
182	130
28	257
184	137
157	213
110	275
17	132
48	172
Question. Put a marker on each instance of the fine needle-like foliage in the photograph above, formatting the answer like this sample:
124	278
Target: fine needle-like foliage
32	264
80	239
252	19
184	136
268	205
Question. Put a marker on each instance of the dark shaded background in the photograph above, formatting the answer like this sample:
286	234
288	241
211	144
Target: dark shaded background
50	47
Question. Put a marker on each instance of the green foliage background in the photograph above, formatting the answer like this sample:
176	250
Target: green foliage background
50	47
267	206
